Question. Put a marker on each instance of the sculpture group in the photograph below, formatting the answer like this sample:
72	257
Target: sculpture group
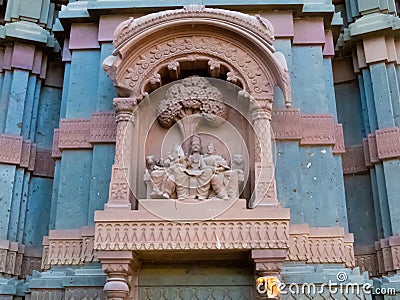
196	175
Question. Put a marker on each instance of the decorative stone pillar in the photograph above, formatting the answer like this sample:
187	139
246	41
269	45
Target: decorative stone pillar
120	195
119	265
265	187
267	263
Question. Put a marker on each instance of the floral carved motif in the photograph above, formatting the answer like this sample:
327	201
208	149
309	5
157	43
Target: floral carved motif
134	78
206	235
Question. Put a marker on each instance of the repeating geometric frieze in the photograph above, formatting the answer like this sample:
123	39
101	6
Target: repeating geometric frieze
74	134
103	128
206	235
10	149
317	130
388	143
85	293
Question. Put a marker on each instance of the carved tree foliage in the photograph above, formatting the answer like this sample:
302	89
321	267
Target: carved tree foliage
194	95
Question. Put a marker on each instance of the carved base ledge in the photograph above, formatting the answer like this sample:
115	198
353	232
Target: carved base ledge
320	245
236	228
17	260
69	247
367	259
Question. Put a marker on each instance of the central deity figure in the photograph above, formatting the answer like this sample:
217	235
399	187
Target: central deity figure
197	176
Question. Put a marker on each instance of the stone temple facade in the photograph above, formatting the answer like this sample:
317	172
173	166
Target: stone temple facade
199	149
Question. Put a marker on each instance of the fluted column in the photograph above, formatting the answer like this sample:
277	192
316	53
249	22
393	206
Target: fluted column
120	195
265	187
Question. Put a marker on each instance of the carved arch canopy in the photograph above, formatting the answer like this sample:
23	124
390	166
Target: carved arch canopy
159	47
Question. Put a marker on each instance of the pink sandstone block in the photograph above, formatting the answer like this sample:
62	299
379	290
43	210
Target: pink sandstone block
349	238
339	138
84	36
74	134
55	152
32	158
373	149
299	229
54	75
25	154
362	63
282	22
309	31
2	50
356	67
375	49
388	143
22	57
103	128
397	45
391	49
317	130
343	70
353	160
7	57
384	243
71	234
367	155
108	24
43	68
286	124
37	62
394	240
66	54
326	231
44	164
364	250
10	149
329	48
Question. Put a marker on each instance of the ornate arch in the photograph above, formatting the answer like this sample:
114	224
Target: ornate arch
234	46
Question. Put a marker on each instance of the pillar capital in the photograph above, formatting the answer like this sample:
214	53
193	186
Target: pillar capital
124	108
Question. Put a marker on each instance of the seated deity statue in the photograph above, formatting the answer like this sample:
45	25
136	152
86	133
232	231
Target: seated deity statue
194	176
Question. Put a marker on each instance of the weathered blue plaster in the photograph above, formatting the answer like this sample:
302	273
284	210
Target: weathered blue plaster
54	195
308	83
383	201
319	182
377	207
35	110
369	96
7	176
38	212
83	84
340	193
16	102
23	208
74	189
48	116
394	93
288	183
330	88
16	204
29	101
64	98
392	171
103	158
380	86
364	106
350	112
106	89
4	98
361	209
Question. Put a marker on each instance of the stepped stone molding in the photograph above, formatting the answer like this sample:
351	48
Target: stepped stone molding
85	294
17	260
290	124
384	144
83	133
23	153
366	259
69	247
320	245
